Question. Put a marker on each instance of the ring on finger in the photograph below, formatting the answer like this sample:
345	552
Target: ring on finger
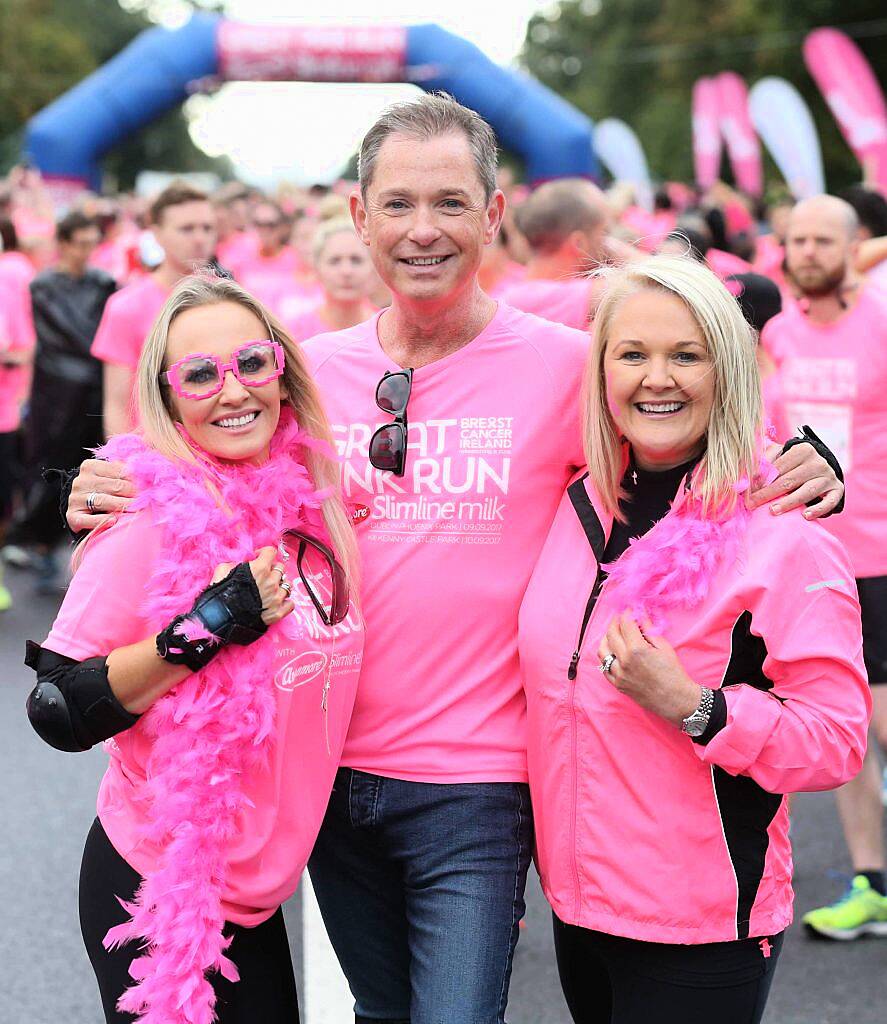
286	586
607	663
91	502
277	567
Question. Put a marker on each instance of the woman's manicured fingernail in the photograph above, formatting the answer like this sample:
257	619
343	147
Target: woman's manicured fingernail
776	509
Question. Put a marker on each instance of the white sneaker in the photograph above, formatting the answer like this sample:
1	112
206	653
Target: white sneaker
17	557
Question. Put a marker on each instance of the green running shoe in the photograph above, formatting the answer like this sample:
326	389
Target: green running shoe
860	911
5	597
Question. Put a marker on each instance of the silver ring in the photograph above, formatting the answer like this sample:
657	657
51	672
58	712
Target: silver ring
286	587
90	501
607	663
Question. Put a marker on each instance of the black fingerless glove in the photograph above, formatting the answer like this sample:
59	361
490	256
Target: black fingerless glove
227	612
822	449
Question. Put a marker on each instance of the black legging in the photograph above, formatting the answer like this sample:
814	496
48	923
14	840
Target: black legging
266	991
611	980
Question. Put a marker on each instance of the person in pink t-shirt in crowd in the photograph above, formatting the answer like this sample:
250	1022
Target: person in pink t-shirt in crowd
651	228
498	271
15	267
565	223
16	354
219	665
304	228
183	222
770	248
693	237
269	273
343	270
457	420
234	243
831	350
119	240
871	211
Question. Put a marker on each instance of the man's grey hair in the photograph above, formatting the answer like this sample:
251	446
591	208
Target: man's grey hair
429	117
555	210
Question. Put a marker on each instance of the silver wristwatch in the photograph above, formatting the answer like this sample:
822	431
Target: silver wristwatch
694	725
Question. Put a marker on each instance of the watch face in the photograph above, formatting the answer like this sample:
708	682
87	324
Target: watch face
695	726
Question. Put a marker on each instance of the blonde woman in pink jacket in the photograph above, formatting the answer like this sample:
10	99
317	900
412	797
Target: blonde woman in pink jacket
687	663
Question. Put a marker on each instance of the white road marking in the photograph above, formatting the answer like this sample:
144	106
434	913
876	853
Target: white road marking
326	998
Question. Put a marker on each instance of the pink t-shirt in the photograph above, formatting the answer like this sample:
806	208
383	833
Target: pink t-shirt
237	248
126	322
102	610
834	378
16	268
650	227
725	263
769	255
512	275
269	278
305	323
16	335
448	548
562	302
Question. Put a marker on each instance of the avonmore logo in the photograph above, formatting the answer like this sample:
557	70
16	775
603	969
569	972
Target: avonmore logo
300	670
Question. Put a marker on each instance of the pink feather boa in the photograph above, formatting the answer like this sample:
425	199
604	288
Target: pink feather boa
674	563
212	729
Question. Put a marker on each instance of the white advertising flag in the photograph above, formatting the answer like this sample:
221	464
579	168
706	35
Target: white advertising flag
783	120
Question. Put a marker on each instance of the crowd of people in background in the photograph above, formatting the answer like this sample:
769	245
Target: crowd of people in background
79	294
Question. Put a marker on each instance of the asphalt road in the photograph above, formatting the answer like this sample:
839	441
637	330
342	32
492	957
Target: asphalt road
49	802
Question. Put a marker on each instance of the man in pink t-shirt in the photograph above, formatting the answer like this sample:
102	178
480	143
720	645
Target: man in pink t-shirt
430	820
831	351
183	222
565	223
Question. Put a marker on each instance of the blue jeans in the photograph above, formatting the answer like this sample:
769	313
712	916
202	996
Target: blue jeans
421	888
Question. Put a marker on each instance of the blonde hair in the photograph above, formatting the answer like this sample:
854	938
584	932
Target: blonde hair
328	229
735	423
332	207
156	414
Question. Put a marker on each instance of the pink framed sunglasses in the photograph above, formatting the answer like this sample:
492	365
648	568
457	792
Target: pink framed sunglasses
201	376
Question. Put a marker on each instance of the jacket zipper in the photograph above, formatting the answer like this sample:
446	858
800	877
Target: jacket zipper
572	672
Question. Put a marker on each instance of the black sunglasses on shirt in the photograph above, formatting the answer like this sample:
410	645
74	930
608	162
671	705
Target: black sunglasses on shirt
314	560
388	445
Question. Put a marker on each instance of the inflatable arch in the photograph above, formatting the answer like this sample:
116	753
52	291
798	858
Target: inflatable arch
161	67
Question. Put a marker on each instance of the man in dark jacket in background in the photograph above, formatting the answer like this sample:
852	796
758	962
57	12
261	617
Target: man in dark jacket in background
65	410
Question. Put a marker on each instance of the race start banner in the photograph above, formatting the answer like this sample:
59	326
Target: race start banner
297	53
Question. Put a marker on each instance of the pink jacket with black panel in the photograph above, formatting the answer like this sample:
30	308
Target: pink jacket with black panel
642	831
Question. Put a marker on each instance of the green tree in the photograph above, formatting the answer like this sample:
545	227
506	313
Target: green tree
638	59
48	46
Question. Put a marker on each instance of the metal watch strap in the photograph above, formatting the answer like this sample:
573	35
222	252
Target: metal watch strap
694	725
